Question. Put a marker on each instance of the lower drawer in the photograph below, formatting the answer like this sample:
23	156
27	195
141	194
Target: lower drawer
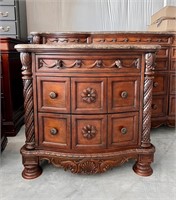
7	27
159	106
172	102
54	131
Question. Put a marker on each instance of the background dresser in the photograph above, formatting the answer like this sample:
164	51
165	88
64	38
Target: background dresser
87	107
163	106
13	19
12	111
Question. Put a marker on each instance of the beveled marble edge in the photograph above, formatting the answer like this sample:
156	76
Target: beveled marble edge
102	32
84	46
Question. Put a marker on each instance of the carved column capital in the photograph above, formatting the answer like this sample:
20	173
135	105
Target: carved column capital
28	99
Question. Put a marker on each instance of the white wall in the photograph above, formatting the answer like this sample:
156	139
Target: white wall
92	15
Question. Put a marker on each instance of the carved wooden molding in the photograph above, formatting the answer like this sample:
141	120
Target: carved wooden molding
59	64
28	99
66	40
147	103
36	39
88	166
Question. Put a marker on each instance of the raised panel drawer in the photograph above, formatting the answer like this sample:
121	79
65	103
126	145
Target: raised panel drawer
7	13
159	106
160	84
173	52
89	95
161	64
123	93
54	94
7	2
74	63
54	130
163	52
123	129
172	83
172	103
7	27
89	132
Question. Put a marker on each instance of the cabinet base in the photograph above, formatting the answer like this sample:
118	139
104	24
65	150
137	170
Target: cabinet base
87	163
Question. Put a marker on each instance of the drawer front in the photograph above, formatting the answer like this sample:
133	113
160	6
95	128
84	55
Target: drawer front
173	64
7	2
159	106
160	84
123	94
89	63
89	95
54	130
89	132
172	83
172	102
7	27
7	13
173	52
123	129
161	64
54	94
163	52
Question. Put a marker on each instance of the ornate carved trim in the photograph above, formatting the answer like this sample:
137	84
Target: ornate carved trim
28	99
36	39
147	103
79	63
88	166
66	40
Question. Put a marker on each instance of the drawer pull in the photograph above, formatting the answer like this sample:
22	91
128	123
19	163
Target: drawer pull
4	14
89	131
5	29
123	130
53	95
154	106
53	131
155	84
89	95
124	94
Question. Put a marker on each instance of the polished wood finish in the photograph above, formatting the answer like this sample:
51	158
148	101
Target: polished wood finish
165	62
12	109
87	108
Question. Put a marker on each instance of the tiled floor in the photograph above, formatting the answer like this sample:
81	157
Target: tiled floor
120	183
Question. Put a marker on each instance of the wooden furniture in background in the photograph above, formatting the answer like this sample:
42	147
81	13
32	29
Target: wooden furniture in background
163	106
13	21
87	107
12	110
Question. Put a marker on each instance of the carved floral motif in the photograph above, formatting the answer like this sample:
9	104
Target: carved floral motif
89	131
89	95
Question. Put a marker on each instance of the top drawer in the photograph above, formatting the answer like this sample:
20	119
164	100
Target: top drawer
7	2
7	13
87	63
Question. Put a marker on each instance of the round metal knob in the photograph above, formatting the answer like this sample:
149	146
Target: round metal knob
53	95
154	107
155	84
124	94
124	130
53	131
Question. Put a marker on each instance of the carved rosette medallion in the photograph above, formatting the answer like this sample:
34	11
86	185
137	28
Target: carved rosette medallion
148	85
89	131
89	95
28	99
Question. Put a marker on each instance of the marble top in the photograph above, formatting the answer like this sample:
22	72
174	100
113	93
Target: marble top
103	32
31	47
